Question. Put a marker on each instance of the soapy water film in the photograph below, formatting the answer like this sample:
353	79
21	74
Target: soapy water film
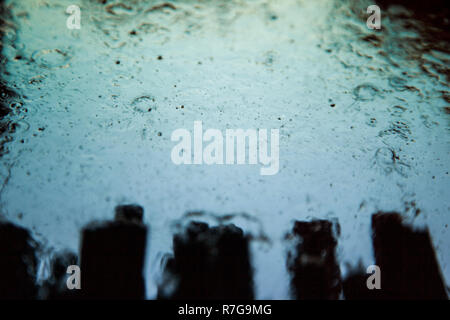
87	116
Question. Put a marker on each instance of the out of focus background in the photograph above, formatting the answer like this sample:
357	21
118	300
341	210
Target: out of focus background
87	115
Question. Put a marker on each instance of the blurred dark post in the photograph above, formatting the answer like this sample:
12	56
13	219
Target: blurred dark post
18	263
355	286
209	263
112	257
55	287
409	268
315	272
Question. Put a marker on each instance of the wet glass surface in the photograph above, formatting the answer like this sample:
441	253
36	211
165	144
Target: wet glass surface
363	118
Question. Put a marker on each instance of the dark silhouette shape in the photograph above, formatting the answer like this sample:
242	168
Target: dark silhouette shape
209	263
355	286
130	213
18	263
315	272
409	269
112	257
55	288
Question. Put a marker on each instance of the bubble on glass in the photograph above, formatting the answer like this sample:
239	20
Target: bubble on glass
51	58
143	104
365	92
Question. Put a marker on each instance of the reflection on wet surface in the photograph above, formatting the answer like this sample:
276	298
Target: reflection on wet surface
87	115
